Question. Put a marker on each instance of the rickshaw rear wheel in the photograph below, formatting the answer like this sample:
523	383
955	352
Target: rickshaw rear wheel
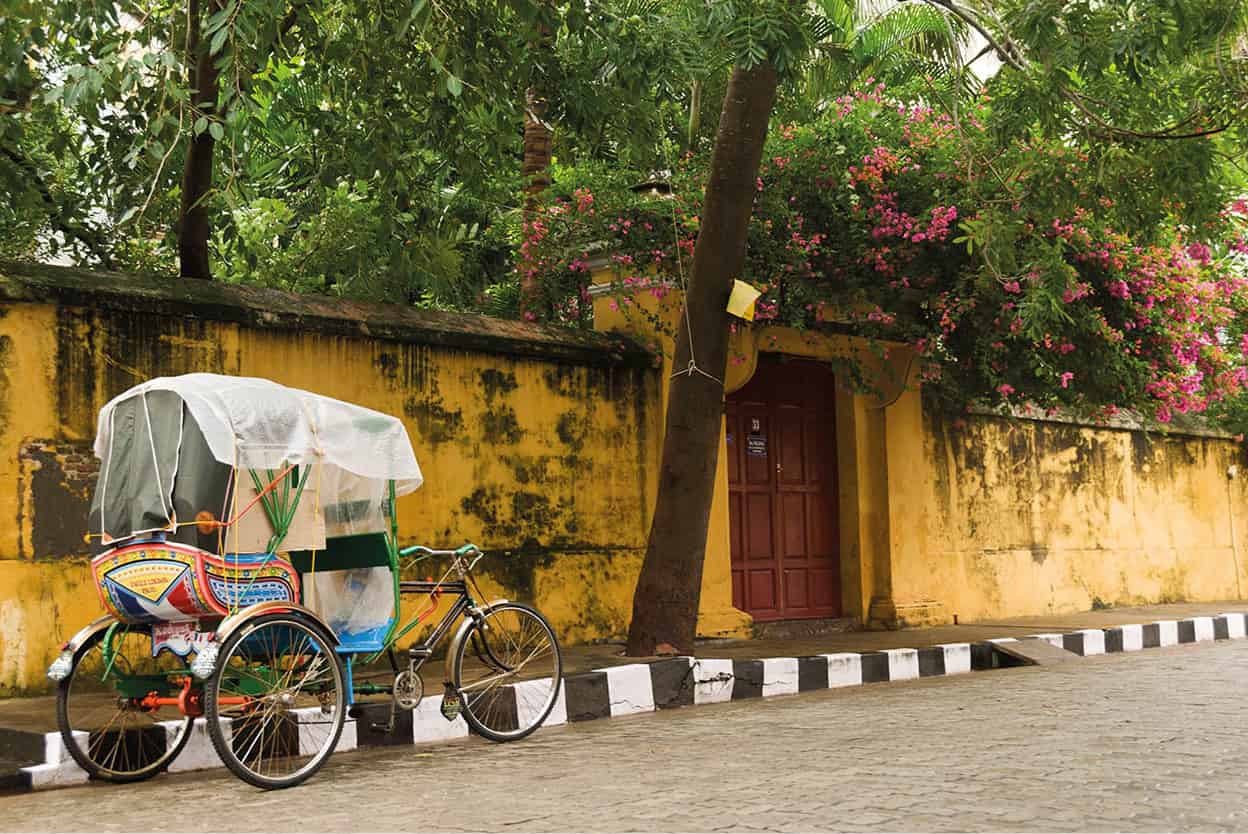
508	671
105	729
276	701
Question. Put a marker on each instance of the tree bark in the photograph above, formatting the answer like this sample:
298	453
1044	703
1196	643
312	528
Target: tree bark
695	115
538	144
539	140
665	604
194	228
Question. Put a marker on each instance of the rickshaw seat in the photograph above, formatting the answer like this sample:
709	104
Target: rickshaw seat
359	553
362	550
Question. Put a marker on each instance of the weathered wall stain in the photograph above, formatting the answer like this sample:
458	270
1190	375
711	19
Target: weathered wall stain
499	424
6	385
571	430
496	383
549	479
1033	516
58	480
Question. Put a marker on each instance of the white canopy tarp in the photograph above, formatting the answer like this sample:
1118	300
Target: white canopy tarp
258	424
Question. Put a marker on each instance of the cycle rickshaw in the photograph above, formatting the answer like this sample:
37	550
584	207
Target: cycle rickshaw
250	569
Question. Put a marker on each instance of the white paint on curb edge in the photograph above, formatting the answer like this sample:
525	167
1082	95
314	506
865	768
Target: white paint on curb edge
631	691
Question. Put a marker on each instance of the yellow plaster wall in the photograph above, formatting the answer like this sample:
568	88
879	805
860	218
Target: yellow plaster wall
1022	517
547	465
981	517
652	318
552	466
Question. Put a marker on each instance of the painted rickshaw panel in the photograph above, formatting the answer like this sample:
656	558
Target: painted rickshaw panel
153	581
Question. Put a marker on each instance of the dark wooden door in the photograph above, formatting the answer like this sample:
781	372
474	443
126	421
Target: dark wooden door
782	495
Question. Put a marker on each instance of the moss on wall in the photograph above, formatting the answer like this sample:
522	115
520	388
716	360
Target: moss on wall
1034	516
529	438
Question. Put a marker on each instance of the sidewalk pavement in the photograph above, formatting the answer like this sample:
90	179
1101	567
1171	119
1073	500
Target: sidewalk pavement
38	714
600	682
585	658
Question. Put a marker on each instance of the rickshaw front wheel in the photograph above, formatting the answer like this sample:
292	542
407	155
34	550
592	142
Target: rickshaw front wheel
508	671
276	701
104	724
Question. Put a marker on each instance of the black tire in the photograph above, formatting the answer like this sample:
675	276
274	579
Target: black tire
285	704
523	685
141	748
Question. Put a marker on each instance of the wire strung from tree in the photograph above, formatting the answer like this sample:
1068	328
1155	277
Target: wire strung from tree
692	368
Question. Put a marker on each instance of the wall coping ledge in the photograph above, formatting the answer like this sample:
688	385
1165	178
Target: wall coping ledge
279	310
1182	426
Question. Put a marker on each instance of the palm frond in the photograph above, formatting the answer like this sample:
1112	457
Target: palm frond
887	40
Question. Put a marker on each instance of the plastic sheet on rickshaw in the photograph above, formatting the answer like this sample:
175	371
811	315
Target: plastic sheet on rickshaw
273	425
358	604
167	448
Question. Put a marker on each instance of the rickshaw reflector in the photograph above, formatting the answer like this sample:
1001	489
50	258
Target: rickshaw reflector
205	661
60	668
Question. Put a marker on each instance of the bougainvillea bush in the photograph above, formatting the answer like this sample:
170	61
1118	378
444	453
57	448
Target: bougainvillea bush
1021	272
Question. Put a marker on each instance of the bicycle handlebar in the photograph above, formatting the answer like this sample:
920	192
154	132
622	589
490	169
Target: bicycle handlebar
466	550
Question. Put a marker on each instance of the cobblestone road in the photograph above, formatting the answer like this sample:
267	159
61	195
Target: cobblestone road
1142	742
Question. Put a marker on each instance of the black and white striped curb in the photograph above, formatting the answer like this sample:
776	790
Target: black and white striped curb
684	681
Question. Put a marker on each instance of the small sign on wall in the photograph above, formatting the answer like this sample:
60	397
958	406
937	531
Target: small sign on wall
756	441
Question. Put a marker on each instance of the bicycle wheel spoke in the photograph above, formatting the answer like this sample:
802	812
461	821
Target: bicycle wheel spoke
511	686
282	667
104	723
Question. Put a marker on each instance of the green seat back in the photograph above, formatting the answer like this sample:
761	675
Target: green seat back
363	550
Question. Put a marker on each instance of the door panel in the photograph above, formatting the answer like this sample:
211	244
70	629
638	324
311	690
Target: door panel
762	590
782	492
821	532
796	589
790	446
759	544
821	448
826	586
793	512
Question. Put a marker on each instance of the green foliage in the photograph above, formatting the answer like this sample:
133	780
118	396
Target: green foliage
1015	272
345	247
895	43
371	150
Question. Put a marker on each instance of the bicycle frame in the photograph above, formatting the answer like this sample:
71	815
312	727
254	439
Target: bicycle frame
279	506
464	605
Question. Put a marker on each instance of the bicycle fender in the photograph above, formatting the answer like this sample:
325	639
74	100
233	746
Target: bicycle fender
64	662
86	632
240	618
461	633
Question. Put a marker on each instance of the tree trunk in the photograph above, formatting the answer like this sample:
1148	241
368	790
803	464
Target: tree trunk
539	139
695	115
665	604
193	226
538	144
